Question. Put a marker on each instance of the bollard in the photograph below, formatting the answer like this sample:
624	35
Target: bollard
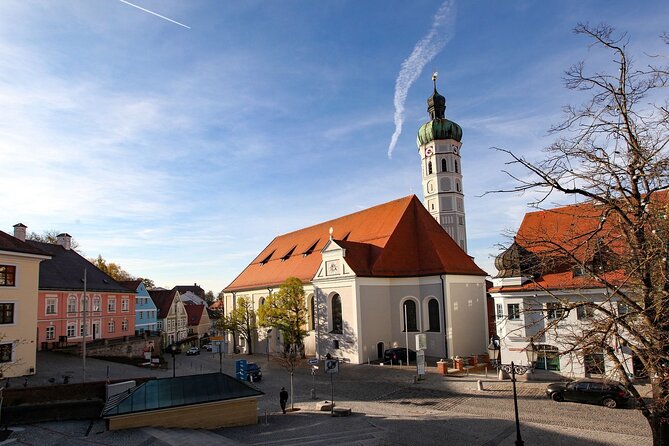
479	385
266	421
313	394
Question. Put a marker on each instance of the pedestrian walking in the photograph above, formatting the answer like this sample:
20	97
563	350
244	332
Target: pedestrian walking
283	399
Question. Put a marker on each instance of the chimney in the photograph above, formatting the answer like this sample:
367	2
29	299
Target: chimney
64	240
20	231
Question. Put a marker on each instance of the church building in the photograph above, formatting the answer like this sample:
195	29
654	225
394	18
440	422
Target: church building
376	278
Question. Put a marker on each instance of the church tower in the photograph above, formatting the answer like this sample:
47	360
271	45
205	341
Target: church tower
439	149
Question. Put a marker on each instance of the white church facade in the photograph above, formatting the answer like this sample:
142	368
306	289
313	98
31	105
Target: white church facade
377	277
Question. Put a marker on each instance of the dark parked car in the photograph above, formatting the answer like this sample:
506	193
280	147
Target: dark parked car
253	372
398	354
177	349
607	393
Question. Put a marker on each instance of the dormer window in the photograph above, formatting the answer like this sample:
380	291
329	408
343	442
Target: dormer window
266	259
288	254
311	248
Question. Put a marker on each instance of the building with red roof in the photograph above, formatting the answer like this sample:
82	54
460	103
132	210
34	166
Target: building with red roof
560	260
376	278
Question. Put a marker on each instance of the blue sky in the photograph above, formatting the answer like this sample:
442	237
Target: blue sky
180	153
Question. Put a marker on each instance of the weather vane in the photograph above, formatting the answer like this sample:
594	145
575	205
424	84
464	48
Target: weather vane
434	79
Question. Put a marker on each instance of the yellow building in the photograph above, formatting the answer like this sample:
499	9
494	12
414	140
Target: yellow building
19	281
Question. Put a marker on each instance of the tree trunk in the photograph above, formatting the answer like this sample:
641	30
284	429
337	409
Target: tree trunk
659	417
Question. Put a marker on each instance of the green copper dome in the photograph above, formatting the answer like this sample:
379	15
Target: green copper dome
438	128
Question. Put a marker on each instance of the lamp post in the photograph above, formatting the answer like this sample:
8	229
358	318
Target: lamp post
173	350
494	351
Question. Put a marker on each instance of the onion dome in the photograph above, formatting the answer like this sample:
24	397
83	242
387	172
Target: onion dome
517	261
438	127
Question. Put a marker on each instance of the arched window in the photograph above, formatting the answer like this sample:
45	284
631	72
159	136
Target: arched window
337	322
429	167
312	312
456	166
409	316
433	315
443	165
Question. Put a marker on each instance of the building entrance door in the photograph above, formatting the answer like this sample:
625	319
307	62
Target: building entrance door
379	350
96	330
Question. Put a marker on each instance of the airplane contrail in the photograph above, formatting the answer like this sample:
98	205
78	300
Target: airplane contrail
424	51
154	13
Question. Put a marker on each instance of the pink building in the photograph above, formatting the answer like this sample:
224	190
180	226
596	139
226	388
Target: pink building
60	310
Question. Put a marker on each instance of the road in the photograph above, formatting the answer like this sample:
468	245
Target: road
388	409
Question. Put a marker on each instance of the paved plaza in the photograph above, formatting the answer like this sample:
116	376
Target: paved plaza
388	409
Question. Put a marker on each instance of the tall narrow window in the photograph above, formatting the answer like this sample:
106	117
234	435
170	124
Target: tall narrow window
7	313
514	311
433	311
429	167
443	165
337	321
409	316
312	312
456	167
71	304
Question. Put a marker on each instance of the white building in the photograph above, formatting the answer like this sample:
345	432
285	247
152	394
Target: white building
554	302
367	273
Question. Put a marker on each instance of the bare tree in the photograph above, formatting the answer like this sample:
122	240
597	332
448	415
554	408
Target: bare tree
612	153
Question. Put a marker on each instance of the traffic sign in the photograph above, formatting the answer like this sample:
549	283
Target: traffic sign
331	366
313	361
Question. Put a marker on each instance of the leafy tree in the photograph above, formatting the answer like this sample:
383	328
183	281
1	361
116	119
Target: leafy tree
51	236
242	321
112	269
612	153
286	311
148	283
209	297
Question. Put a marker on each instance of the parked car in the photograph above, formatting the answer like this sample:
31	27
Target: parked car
398	354
607	393
207	347
253	372
193	351
169	348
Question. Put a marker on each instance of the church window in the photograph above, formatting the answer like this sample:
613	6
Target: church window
429	167
456	167
433	313
443	165
410	316
312	313
337	321
457	186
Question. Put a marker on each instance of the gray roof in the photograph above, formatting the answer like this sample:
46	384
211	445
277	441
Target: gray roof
11	243
180	391
65	271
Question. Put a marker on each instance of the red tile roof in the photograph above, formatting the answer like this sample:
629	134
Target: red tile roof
194	313
581	230
163	300
396	239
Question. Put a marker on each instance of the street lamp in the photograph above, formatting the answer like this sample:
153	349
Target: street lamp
494	351
173	350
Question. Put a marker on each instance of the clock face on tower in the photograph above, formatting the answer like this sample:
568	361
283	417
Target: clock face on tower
428	151
454	147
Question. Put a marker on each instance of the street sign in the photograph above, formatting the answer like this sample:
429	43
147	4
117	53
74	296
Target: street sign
313	361
331	366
